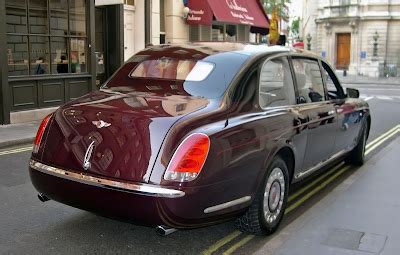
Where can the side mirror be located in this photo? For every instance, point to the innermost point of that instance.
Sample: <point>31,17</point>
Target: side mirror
<point>352,93</point>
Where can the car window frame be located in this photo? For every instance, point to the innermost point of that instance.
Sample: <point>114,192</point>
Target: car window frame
<point>336,81</point>
<point>260,65</point>
<point>297,56</point>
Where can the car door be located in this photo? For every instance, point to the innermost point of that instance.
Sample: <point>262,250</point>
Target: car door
<point>320,113</point>
<point>348,114</point>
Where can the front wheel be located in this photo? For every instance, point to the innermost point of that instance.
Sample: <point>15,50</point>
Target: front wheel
<point>357,155</point>
<point>266,211</point>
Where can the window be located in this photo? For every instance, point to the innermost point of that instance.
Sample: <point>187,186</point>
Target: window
<point>309,80</point>
<point>173,69</point>
<point>276,84</point>
<point>335,90</point>
<point>46,37</point>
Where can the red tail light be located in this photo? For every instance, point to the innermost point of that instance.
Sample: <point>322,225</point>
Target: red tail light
<point>188,159</point>
<point>40,132</point>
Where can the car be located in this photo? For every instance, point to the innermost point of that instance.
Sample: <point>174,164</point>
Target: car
<point>185,136</point>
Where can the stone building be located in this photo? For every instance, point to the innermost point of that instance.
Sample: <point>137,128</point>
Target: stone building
<point>361,36</point>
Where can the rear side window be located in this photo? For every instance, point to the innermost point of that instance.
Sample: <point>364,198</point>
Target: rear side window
<point>309,80</point>
<point>276,83</point>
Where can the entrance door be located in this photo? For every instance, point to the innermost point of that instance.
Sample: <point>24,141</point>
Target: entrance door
<point>343,51</point>
<point>129,48</point>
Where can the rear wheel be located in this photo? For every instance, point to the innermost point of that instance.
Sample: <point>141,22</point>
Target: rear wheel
<point>266,211</point>
<point>357,155</point>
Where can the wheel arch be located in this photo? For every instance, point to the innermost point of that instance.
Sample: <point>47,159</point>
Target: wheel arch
<point>287,154</point>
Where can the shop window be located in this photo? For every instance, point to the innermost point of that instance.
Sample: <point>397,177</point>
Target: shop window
<point>59,55</point>
<point>77,20</point>
<point>17,55</point>
<point>46,37</point>
<point>38,22</point>
<point>39,48</point>
<point>231,33</point>
<point>59,17</point>
<point>217,32</point>
<point>78,55</point>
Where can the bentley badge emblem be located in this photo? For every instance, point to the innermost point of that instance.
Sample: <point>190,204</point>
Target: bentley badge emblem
<point>86,161</point>
<point>101,123</point>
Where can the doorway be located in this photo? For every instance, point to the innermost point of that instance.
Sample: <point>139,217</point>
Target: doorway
<point>343,44</point>
<point>129,42</point>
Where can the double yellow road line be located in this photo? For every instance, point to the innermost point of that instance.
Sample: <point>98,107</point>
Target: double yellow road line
<point>333,173</point>
<point>18,150</point>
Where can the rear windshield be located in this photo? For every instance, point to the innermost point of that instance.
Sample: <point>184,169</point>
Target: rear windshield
<point>207,77</point>
<point>173,69</point>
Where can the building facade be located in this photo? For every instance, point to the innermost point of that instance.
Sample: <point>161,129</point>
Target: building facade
<point>361,36</point>
<point>58,50</point>
<point>46,57</point>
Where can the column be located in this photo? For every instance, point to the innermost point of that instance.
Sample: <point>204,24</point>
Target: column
<point>176,29</point>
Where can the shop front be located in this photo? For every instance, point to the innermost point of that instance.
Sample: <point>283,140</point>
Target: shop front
<point>47,58</point>
<point>227,20</point>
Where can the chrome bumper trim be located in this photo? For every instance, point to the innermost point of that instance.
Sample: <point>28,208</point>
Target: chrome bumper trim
<point>143,189</point>
<point>227,204</point>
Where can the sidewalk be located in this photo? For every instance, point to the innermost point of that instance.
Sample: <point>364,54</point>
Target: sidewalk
<point>360,216</point>
<point>354,79</point>
<point>17,134</point>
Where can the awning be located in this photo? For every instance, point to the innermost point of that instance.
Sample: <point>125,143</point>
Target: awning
<point>247,12</point>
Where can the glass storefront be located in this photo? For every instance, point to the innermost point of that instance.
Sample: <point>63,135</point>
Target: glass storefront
<point>219,32</point>
<point>46,37</point>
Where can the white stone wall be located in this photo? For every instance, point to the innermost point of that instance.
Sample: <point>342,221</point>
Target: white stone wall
<point>362,18</point>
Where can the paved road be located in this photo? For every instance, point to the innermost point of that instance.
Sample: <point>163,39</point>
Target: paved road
<point>29,226</point>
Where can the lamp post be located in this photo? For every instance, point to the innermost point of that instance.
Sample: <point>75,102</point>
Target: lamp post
<point>308,41</point>
<point>375,38</point>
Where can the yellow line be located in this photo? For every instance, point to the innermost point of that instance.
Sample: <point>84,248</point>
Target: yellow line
<point>382,136</point>
<point>299,192</point>
<point>239,244</point>
<point>221,243</point>
<point>382,141</point>
<point>318,188</point>
<point>15,151</point>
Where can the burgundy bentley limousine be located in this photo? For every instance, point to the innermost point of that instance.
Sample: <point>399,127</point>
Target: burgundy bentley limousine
<point>184,136</point>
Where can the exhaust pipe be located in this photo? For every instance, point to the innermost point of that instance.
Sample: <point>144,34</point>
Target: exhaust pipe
<point>164,230</point>
<point>42,197</point>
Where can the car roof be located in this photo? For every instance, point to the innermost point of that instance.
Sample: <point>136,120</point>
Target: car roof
<point>212,48</point>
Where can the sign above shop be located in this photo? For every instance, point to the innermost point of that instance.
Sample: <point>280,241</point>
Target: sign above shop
<point>108,2</point>
<point>247,12</point>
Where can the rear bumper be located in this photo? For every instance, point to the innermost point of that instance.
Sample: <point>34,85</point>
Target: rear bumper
<point>137,188</point>
<point>143,204</point>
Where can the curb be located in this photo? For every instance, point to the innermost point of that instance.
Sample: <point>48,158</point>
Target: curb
<point>16,142</point>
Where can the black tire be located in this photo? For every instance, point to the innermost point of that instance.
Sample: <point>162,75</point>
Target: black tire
<point>357,155</point>
<point>254,220</point>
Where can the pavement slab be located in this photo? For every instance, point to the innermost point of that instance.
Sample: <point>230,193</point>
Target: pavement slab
<point>16,134</point>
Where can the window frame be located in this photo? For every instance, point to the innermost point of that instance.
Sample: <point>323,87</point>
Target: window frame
<point>49,36</point>
<point>294,57</point>
<point>335,82</point>
<point>260,65</point>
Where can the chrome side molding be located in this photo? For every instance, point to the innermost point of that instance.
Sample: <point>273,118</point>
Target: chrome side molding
<point>227,204</point>
<point>139,188</point>
<point>321,164</point>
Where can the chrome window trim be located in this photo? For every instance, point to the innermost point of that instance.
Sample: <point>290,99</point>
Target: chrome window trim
<point>138,188</point>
